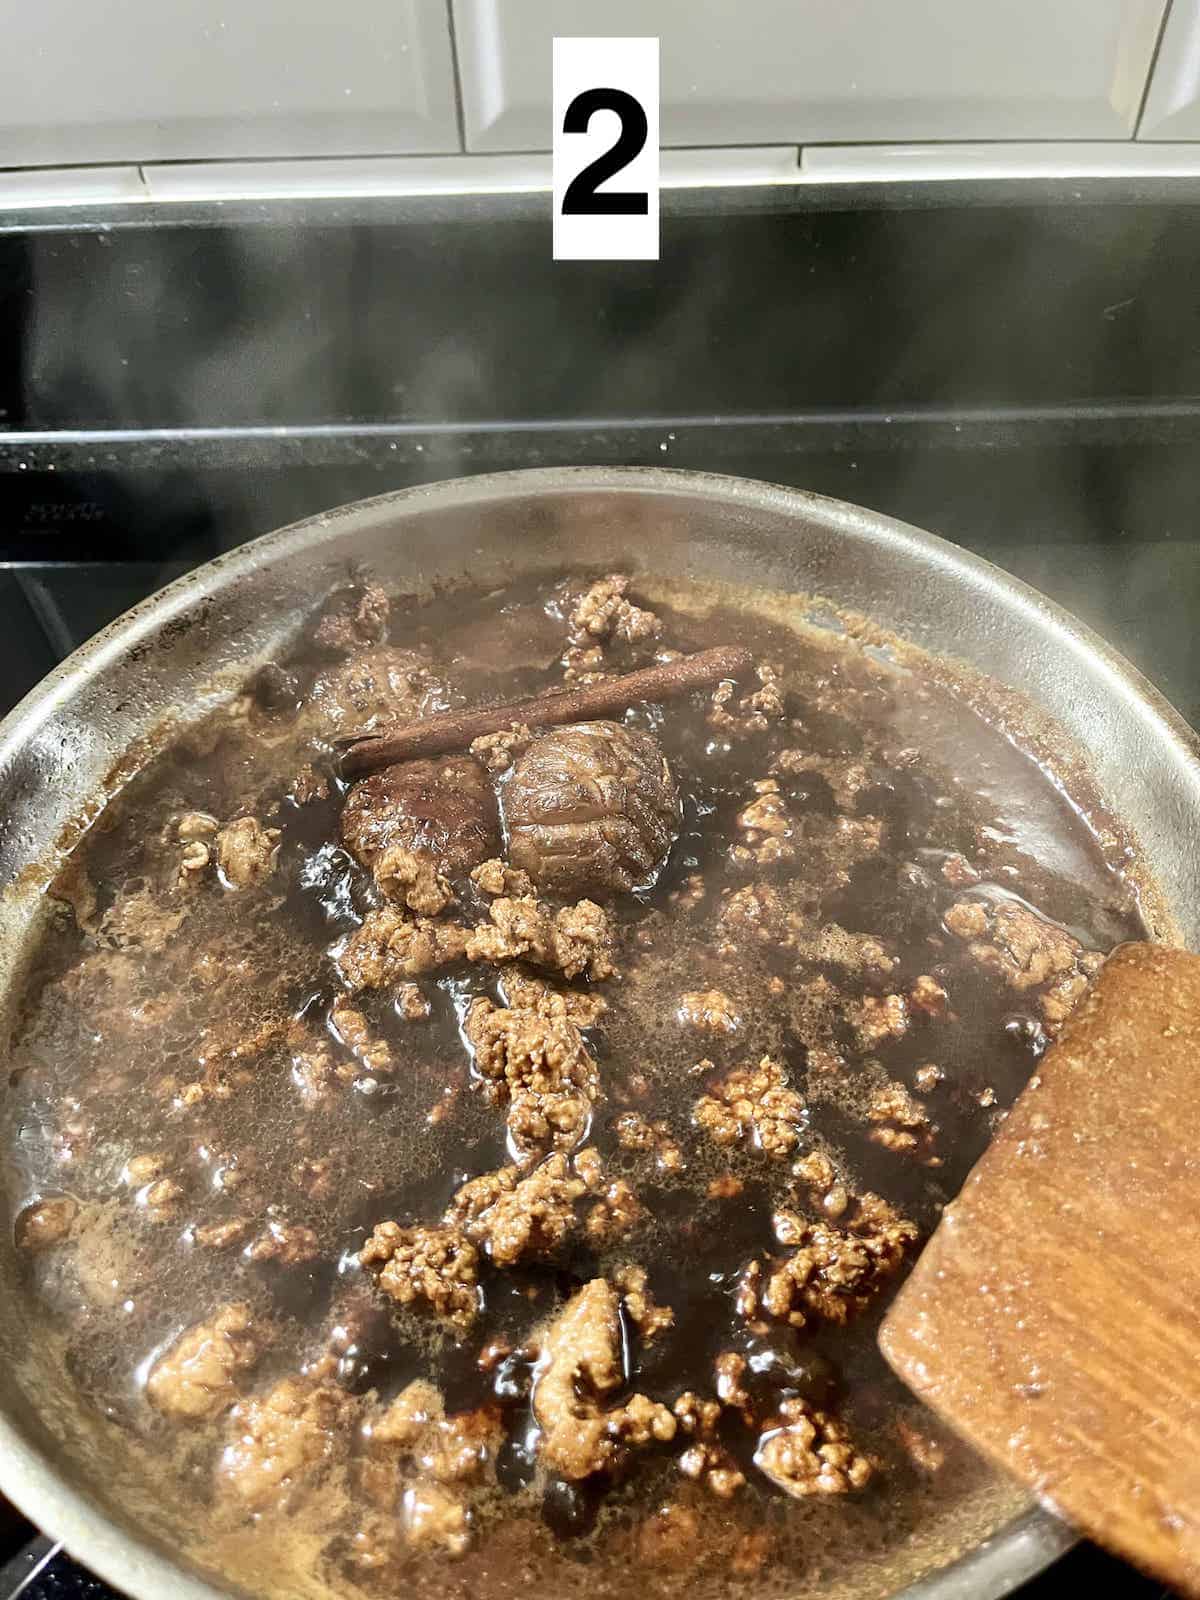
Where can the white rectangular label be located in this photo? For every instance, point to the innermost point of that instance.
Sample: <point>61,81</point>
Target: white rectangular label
<point>605,149</point>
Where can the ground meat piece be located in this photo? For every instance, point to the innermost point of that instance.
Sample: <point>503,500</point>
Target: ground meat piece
<point>579,1365</point>
<point>958,871</point>
<point>590,1167</point>
<point>412,880</point>
<point>406,1420</point>
<point>817,1170</point>
<point>750,1553</point>
<point>437,1265</point>
<point>281,1442</point>
<point>769,914</point>
<point>194,860</point>
<point>604,613</point>
<point>460,1448</point>
<point>831,847</point>
<point>291,1244</point>
<point>542,1067</point>
<point>649,1318</point>
<point>615,1214</point>
<point>308,785</point>
<point>846,776</point>
<point>809,1452</point>
<point>314,1175</point>
<point>901,1123</point>
<point>519,1218</point>
<point>828,1187</point>
<point>160,1197</point>
<point>194,1380</point>
<point>378,685</point>
<point>704,1459</point>
<point>928,996</point>
<point>878,1019</point>
<point>698,1418</point>
<point>729,1372</point>
<point>195,831</point>
<point>45,1223</point>
<point>540,1121</point>
<point>443,811</point>
<point>140,921</point>
<point>1061,998</point>
<point>585,939</point>
<point>433,1518</point>
<point>222,1235</point>
<point>355,1033</point>
<point>755,711</point>
<point>494,877</point>
<point>753,1103</point>
<point>768,826</point>
<point>390,946</point>
<point>1025,950</point>
<point>415,1430</point>
<point>412,1004</point>
<point>142,1169</point>
<point>712,1011</point>
<point>195,825</point>
<point>352,617</point>
<point>313,1068</point>
<point>523,992</point>
<point>1020,946</point>
<point>576,939</point>
<point>584,664</point>
<point>759,914</point>
<point>591,808</point>
<point>634,1132</point>
<point>967,919</point>
<point>726,1187</point>
<point>927,1077</point>
<point>834,1272</point>
<point>496,751</point>
<point>246,853</point>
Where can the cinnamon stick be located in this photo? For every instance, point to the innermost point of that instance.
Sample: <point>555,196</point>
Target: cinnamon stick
<point>455,730</point>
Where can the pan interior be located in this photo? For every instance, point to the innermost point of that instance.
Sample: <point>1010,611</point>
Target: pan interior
<point>163,667</point>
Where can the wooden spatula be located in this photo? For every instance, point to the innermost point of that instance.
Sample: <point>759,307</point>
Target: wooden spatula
<point>1054,1316</point>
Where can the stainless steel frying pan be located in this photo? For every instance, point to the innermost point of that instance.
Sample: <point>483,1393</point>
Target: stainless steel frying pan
<point>168,657</point>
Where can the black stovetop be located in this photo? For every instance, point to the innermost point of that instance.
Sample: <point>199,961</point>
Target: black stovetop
<point>1015,369</point>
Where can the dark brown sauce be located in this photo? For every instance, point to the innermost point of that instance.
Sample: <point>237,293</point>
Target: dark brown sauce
<point>115,1022</point>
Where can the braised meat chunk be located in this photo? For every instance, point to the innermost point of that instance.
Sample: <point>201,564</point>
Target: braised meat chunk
<point>442,812</point>
<point>591,808</point>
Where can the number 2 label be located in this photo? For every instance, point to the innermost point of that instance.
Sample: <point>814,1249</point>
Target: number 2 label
<point>606,149</point>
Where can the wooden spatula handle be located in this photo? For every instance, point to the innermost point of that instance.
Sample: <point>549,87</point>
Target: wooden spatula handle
<point>1054,1317</point>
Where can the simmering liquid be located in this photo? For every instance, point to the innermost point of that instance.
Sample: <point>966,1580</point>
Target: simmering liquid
<point>730,1041</point>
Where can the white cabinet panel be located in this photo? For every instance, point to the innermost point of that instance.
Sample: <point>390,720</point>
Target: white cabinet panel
<point>804,71</point>
<point>1173,103</point>
<point>169,80</point>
